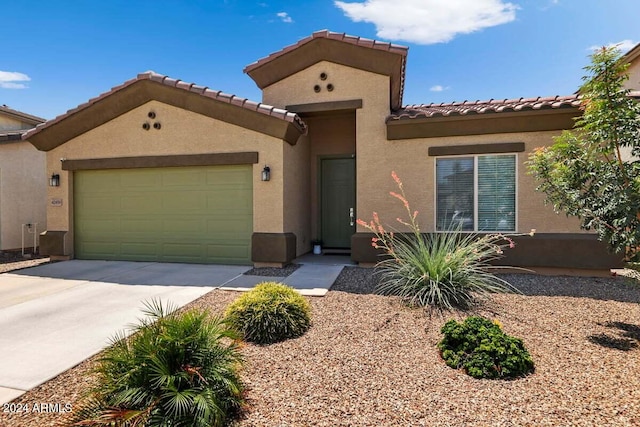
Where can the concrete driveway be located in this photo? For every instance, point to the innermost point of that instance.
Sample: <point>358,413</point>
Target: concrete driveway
<point>54,316</point>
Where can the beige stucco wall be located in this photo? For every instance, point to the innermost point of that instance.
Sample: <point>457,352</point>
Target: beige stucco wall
<point>10,123</point>
<point>634,75</point>
<point>296,193</point>
<point>377,157</point>
<point>23,186</point>
<point>418,176</point>
<point>182,132</point>
<point>349,84</point>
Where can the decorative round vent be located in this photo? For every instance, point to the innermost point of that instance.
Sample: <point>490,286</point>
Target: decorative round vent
<point>317,88</point>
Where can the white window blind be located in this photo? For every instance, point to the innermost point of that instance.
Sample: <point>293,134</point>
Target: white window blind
<point>476,193</point>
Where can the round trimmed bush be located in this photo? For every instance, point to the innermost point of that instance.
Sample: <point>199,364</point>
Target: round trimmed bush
<point>269,313</point>
<point>484,351</point>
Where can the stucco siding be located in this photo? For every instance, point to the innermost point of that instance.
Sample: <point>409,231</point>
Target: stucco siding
<point>370,134</point>
<point>634,76</point>
<point>410,160</point>
<point>9,123</point>
<point>182,132</point>
<point>23,183</point>
<point>296,193</point>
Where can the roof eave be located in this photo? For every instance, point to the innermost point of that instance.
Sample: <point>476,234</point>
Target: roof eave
<point>482,124</point>
<point>368,55</point>
<point>19,115</point>
<point>150,86</point>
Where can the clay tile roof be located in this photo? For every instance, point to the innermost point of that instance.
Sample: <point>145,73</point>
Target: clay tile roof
<point>179,84</point>
<point>358,41</point>
<point>20,115</point>
<point>483,107</point>
<point>9,136</point>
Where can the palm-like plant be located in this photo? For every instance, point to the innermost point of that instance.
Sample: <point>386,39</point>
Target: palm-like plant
<point>177,369</point>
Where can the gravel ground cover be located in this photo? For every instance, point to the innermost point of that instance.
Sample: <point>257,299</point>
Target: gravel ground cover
<point>10,261</point>
<point>273,271</point>
<point>370,361</point>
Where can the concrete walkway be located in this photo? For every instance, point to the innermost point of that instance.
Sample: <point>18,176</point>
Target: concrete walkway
<point>54,316</point>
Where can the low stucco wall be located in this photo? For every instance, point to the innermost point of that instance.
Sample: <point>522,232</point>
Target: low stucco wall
<point>23,186</point>
<point>182,132</point>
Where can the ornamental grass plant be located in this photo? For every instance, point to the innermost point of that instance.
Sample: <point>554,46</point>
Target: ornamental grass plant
<point>177,369</point>
<point>444,271</point>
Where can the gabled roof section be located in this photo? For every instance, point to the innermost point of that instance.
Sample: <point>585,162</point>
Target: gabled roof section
<point>632,54</point>
<point>484,107</point>
<point>150,86</point>
<point>365,54</point>
<point>19,115</point>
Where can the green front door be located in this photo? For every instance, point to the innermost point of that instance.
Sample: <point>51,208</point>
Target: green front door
<point>200,214</point>
<point>338,201</point>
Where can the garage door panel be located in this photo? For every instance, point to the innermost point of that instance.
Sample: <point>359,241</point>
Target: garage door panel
<point>132,249</point>
<point>140,225</point>
<point>140,179</point>
<point>185,201</point>
<point>228,229</point>
<point>190,214</point>
<point>228,252</point>
<point>98,250</point>
<point>229,200</point>
<point>180,177</point>
<point>183,225</point>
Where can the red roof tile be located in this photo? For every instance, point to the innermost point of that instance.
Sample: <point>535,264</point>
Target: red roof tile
<point>358,41</point>
<point>483,107</point>
<point>190,87</point>
<point>489,106</point>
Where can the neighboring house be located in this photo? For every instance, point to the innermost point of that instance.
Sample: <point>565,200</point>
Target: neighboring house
<point>164,170</point>
<point>22,181</point>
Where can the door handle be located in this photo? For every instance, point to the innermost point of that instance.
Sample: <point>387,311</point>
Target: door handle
<point>351,217</point>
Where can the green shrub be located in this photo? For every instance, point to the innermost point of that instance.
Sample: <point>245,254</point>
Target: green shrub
<point>439,270</point>
<point>269,313</point>
<point>481,347</point>
<point>177,369</point>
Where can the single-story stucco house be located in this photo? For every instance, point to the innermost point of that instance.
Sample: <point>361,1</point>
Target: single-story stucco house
<point>160,169</point>
<point>23,182</point>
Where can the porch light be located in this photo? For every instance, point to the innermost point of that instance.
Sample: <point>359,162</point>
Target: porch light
<point>266,173</point>
<point>54,181</point>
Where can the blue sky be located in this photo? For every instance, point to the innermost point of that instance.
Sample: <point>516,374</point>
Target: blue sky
<point>59,54</point>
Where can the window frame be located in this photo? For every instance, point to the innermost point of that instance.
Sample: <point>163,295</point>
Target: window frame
<point>475,191</point>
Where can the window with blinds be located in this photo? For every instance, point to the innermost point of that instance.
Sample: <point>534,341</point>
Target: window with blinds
<point>476,193</point>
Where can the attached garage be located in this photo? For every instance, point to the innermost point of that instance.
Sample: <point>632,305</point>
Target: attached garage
<point>200,214</point>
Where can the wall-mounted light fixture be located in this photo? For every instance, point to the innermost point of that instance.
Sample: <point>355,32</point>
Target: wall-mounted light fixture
<point>54,181</point>
<point>266,173</point>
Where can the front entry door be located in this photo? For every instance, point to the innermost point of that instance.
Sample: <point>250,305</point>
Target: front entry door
<point>337,201</point>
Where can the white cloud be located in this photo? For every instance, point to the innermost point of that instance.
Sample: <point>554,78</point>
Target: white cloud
<point>8,80</point>
<point>439,88</point>
<point>623,46</point>
<point>429,21</point>
<point>285,17</point>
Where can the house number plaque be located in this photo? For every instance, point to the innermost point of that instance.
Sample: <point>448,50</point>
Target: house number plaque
<point>56,202</point>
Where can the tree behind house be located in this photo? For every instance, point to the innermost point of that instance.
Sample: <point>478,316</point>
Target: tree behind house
<point>588,172</point>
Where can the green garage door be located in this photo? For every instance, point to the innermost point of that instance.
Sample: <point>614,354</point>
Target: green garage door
<point>197,214</point>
